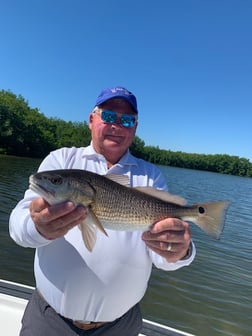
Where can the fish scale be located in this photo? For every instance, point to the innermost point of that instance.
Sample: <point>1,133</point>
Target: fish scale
<point>145,212</point>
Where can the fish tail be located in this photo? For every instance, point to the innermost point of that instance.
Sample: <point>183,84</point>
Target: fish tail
<point>211,217</point>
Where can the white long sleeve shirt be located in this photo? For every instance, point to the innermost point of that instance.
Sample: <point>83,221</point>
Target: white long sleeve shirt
<point>106,283</point>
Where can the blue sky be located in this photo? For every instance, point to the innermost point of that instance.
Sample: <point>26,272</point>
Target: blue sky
<point>189,62</point>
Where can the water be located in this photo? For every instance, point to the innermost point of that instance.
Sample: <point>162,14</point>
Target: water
<point>16,263</point>
<point>211,297</point>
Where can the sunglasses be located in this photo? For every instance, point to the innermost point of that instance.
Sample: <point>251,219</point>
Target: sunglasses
<point>111,117</point>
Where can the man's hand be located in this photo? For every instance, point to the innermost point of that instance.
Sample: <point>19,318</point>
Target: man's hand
<point>54,221</point>
<point>169,238</point>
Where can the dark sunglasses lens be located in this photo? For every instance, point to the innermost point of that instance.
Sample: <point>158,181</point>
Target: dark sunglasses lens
<point>108,116</point>
<point>128,120</point>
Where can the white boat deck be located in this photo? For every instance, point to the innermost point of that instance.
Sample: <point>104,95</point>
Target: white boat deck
<point>11,312</point>
<point>12,308</point>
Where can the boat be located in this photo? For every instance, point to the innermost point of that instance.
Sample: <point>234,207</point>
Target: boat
<point>14,297</point>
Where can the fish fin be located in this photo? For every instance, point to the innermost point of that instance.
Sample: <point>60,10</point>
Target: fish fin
<point>163,195</point>
<point>88,229</point>
<point>121,179</point>
<point>89,234</point>
<point>95,221</point>
<point>211,217</point>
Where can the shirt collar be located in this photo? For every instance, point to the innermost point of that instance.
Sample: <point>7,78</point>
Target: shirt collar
<point>126,159</point>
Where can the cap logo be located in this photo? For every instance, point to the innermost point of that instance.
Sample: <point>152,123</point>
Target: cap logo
<point>115,90</point>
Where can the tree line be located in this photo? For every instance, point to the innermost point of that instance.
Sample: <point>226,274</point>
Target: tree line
<point>25,131</point>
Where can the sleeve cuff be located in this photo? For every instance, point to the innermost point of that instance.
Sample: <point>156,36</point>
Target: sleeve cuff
<point>163,264</point>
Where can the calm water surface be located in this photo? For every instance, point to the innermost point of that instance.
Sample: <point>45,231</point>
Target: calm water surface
<point>211,297</point>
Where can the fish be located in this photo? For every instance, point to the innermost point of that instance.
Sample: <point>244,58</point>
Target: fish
<point>113,204</point>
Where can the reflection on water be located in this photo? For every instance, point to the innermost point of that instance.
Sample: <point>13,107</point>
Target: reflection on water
<point>211,297</point>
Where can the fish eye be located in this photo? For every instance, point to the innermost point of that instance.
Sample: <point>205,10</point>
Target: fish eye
<point>56,180</point>
<point>201,210</point>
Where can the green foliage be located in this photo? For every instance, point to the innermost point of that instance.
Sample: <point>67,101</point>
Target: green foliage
<point>137,147</point>
<point>219,163</point>
<point>27,132</point>
<point>69,134</point>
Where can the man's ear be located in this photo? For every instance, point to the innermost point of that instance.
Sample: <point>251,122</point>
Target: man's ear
<point>91,116</point>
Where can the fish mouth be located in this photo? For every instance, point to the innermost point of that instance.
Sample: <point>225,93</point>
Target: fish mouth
<point>40,189</point>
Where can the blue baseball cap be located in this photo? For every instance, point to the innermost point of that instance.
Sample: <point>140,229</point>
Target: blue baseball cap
<point>117,92</point>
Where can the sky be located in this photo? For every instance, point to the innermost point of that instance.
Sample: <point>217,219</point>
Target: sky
<point>189,63</point>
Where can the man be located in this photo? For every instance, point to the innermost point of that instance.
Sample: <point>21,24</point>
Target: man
<point>95,293</point>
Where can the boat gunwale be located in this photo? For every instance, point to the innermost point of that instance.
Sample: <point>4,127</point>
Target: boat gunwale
<point>150,328</point>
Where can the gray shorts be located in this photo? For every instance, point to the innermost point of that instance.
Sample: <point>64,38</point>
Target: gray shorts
<point>40,319</point>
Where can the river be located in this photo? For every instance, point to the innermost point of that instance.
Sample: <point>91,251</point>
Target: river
<point>211,297</point>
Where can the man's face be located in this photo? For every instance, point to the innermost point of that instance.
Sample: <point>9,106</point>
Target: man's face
<point>112,139</point>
